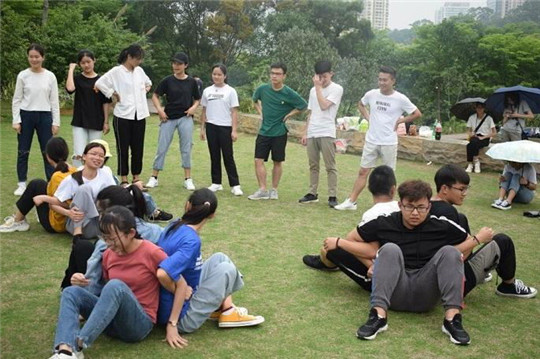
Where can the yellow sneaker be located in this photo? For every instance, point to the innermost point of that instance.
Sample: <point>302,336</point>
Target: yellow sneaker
<point>239,317</point>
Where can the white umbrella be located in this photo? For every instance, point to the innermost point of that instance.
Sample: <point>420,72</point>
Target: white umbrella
<point>516,151</point>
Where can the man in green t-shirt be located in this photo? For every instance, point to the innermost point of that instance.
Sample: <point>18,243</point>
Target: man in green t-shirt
<point>276,103</point>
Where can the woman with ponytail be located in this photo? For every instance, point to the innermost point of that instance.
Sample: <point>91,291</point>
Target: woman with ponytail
<point>129,84</point>
<point>56,153</point>
<point>76,195</point>
<point>212,282</point>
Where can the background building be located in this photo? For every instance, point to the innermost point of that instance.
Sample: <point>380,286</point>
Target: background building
<point>502,7</point>
<point>376,11</point>
<point>450,9</point>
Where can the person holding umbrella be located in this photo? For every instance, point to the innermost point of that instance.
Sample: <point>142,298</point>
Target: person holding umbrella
<point>514,116</point>
<point>480,130</point>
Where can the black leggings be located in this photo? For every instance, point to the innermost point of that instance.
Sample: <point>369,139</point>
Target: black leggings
<point>351,266</point>
<point>474,146</point>
<point>25,203</point>
<point>81,251</point>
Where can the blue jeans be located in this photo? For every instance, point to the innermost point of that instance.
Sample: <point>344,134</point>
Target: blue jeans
<point>523,194</point>
<point>116,312</point>
<point>184,126</point>
<point>41,122</point>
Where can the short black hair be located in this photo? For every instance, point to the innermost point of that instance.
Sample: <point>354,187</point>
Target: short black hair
<point>450,175</point>
<point>279,65</point>
<point>381,180</point>
<point>414,190</point>
<point>322,67</point>
<point>388,70</point>
<point>36,47</point>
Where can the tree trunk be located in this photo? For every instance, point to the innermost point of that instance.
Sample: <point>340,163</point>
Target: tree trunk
<point>45,14</point>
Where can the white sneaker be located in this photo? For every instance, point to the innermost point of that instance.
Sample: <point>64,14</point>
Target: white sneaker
<point>74,355</point>
<point>469,168</point>
<point>21,187</point>
<point>152,182</point>
<point>488,277</point>
<point>188,184</point>
<point>497,203</point>
<point>346,205</point>
<point>237,191</point>
<point>273,194</point>
<point>215,187</point>
<point>10,225</point>
<point>477,167</point>
<point>259,194</point>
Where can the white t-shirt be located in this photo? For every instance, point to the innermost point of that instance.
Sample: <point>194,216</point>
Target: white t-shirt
<point>486,127</point>
<point>36,91</point>
<point>527,171</point>
<point>516,124</point>
<point>68,186</point>
<point>218,102</point>
<point>384,111</point>
<point>131,87</point>
<point>323,123</point>
<point>379,209</point>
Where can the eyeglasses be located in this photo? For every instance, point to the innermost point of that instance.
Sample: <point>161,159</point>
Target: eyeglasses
<point>462,190</point>
<point>411,208</point>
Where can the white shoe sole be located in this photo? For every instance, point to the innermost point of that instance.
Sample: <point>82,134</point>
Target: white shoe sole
<point>452,338</point>
<point>525,296</point>
<point>371,337</point>
<point>307,202</point>
<point>345,208</point>
<point>258,320</point>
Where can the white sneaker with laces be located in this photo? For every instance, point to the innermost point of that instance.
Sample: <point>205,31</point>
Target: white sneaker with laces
<point>188,184</point>
<point>477,167</point>
<point>496,203</point>
<point>273,194</point>
<point>258,195</point>
<point>215,187</point>
<point>237,191</point>
<point>469,168</point>
<point>346,205</point>
<point>21,187</point>
<point>10,225</point>
<point>152,182</point>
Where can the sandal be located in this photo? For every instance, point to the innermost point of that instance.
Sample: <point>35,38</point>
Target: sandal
<point>532,214</point>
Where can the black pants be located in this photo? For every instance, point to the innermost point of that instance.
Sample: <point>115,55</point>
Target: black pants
<point>81,251</point>
<point>129,134</point>
<point>474,146</point>
<point>25,203</point>
<point>220,142</point>
<point>351,266</point>
<point>506,266</point>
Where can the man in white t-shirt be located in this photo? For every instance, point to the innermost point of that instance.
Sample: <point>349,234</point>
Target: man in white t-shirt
<point>386,107</point>
<point>344,253</point>
<point>320,132</point>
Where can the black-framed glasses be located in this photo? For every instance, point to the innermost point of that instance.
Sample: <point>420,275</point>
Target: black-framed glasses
<point>411,208</point>
<point>462,190</point>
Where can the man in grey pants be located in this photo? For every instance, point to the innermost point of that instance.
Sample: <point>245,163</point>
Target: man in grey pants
<point>419,262</point>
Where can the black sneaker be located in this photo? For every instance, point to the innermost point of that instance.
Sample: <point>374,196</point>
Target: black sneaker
<point>161,215</point>
<point>454,329</point>
<point>332,202</point>
<point>373,326</point>
<point>517,290</point>
<point>314,261</point>
<point>309,198</point>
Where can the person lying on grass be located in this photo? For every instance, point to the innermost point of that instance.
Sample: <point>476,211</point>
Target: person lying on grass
<point>127,306</point>
<point>213,281</point>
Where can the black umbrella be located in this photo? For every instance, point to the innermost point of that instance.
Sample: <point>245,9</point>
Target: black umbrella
<point>466,107</point>
<point>531,95</point>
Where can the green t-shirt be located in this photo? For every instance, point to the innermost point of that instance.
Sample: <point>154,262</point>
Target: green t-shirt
<point>275,106</point>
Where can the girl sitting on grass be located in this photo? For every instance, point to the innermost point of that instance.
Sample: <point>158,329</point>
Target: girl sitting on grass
<point>128,304</point>
<point>56,152</point>
<point>212,282</point>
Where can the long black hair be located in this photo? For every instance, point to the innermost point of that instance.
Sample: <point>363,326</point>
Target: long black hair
<point>77,176</point>
<point>133,50</point>
<point>58,151</point>
<point>130,197</point>
<point>201,204</point>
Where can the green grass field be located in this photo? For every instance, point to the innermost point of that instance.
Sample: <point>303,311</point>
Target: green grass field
<point>308,314</point>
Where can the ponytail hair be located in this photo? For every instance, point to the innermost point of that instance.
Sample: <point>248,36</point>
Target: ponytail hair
<point>77,176</point>
<point>200,205</point>
<point>130,198</point>
<point>133,50</point>
<point>117,219</point>
<point>58,151</point>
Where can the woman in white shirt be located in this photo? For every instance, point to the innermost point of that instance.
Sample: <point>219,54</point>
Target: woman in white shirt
<point>35,107</point>
<point>219,121</point>
<point>129,84</point>
<point>481,129</point>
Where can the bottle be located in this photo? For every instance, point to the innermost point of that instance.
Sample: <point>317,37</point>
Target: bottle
<point>438,131</point>
<point>363,126</point>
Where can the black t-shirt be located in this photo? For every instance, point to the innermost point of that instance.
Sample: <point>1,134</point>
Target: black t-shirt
<point>88,104</point>
<point>442,208</point>
<point>179,94</point>
<point>419,244</point>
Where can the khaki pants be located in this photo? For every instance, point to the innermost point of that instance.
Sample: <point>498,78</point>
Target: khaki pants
<point>326,146</point>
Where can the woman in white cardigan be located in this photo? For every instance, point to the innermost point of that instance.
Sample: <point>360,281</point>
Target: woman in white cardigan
<point>129,84</point>
<point>35,108</point>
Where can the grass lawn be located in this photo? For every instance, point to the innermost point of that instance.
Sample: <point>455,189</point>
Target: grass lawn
<point>308,314</point>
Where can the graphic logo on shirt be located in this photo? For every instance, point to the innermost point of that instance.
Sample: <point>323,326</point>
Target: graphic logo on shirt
<point>382,106</point>
<point>199,263</point>
<point>215,96</point>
